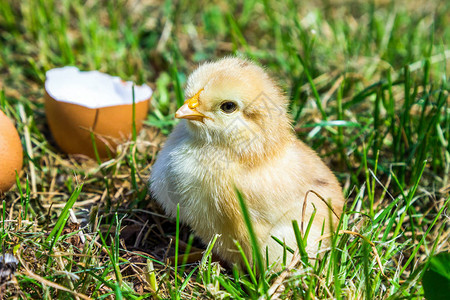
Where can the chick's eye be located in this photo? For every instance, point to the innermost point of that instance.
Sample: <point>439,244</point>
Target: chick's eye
<point>228,107</point>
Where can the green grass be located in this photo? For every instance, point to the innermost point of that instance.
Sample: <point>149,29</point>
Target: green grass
<point>369,90</point>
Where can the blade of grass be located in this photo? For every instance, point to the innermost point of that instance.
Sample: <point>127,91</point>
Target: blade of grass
<point>251,233</point>
<point>313,88</point>
<point>64,216</point>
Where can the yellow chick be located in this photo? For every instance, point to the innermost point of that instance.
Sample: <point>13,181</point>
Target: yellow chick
<point>235,132</point>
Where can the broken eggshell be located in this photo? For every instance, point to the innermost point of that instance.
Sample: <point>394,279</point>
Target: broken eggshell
<point>79,104</point>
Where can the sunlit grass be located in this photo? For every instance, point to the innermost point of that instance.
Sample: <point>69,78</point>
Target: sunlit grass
<point>369,90</point>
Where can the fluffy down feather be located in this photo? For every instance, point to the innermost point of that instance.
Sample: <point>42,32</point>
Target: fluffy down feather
<point>251,147</point>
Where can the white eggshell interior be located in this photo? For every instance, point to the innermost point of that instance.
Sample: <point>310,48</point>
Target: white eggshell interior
<point>92,89</point>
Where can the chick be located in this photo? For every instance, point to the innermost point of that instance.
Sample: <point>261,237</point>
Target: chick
<point>235,132</point>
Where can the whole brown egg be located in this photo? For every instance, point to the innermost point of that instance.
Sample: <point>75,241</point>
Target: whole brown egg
<point>11,153</point>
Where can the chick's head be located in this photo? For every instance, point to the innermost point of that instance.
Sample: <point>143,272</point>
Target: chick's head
<point>234,103</point>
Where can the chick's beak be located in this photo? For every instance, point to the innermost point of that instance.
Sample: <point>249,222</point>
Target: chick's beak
<point>188,109</point>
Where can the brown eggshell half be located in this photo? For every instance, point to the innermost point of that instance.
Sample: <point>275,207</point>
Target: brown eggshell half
<point>71,125</point>
<point>11,153</point>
